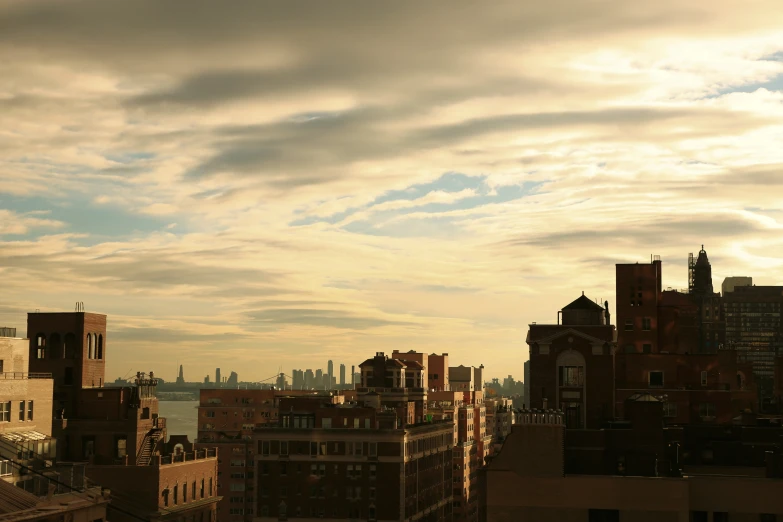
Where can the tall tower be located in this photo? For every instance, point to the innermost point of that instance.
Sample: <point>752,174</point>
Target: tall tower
<point>353,376</point>
<point>217,377</point>
<point>712,328</point>
<point>342,376</point>
<point>181,376</point>
<point>330,373</point>
<point>72,347</point>
<point>702,275</point>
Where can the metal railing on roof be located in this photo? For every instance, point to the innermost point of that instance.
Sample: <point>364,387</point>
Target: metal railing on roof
<point>24,375</point>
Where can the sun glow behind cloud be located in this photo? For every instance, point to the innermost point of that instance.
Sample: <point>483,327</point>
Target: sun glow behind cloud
<point>279,184</point>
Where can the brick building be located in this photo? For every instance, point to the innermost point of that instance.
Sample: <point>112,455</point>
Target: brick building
<point>663,346</point>
<point>571,363</point>
<point>697,388</point>
<point>438,372</point>
<point>226,421</point>
<point>398,382</point>
<point>116,431</point>
<point>352,461</point>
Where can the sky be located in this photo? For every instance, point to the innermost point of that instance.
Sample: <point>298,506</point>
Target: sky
<point>258,185</point>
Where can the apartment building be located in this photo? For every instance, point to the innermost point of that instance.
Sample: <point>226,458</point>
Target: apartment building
<point>355,461</point>
<point>227,419</point>
<point>25,413</point>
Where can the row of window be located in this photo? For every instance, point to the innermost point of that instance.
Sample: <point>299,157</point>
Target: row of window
<point>25,410</point>
<point>646,324</point>
<point>354,512</point>
<point>321,448</point>
<point>319,470</point>
<point>56,347</point>
<point>174,492</point>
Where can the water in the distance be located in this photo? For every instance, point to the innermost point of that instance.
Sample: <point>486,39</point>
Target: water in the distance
<point>181,417</point>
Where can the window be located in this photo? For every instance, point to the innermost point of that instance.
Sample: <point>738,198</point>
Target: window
<point>372,493</point>
<point>283,447</point>
<point>356,423</point>
<point>237,463</point>
<point>629,325</point>
<point>706,409</point>
<point>646,348</point>
<point>5,468</point>
<point>88,447</point>
<point>40,352</point>
<point>646,323</point>
<point>326,423</point>
<point>571,375</point>
<point>29,410</point>
<point>210,486</point>
<point>193,490</point>
<point>766,517</point>
<point>655,379</point>
<point>283,469</point>
<point>165,497</point>
<point>720,516</point>
<point>185,492</point>
<point>629,348</point>
<point>21,410</point>
<point>704,378</point>
<point>372,471</point>
<point>176,499</point>
<point>236,487</point>
<point>353,448</point>
<point>669,409</point>
<point>372,449</point>
<point>122,446</point>
<point>68,377</point>
<point>313,449</point>
<point>211,414</point>
<point>1,366</point>
<point>202,488</point>
<point>265,448</point>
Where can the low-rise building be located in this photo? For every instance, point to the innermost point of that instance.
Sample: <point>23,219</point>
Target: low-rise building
<point>541,475</point>
<point>25,415</point>
<point>116,433</point>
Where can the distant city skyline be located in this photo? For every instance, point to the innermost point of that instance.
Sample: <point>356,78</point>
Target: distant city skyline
<point>246,188</point>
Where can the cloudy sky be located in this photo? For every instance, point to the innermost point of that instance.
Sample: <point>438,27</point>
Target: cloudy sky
<point>278,184</point>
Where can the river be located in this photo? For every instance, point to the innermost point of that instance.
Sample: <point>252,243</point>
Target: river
<point>181,417</point>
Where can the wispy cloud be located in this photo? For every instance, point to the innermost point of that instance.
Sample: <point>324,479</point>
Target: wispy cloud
<point>274,182</point>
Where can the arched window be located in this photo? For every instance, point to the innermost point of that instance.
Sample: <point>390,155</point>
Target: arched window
<point>69,345</point>
<point>89,346</point>
<point>100,346</point>
<point>40,346</point>
<point>55,346</point>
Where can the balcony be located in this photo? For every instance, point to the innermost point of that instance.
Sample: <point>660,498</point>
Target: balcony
<point>23,375</point>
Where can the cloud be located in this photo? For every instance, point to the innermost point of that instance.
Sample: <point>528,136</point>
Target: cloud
<point>353,177</point>
<point>321,318</point>
<point>12,223</point>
